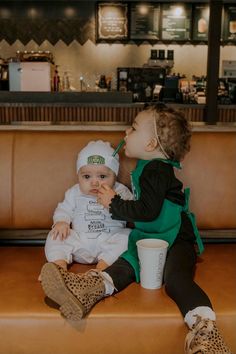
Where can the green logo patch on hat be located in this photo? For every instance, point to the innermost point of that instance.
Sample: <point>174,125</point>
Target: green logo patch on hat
<point>96,159</point>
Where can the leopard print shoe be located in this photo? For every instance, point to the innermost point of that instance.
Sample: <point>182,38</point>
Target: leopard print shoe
<point>75,293</point>
<point>205,338</point>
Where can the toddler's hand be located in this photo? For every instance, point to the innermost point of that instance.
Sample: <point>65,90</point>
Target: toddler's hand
<point>60,230</point>
<point>105,195</point>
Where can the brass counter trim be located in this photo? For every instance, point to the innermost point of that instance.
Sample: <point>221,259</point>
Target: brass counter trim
<point>110,126</point>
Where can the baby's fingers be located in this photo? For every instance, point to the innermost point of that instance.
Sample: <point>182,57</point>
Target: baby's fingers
<point>54,234</point>
<point>65,234</point>
<point>105,187</point>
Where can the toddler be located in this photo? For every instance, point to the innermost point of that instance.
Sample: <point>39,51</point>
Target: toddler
<point>83,230</point>
<point>159,138</point>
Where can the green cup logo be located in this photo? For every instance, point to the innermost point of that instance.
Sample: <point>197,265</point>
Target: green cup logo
<point>96,159</point>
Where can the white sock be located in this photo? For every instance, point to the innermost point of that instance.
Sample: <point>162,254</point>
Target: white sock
<point>202,311</point>
<point>109,285</point>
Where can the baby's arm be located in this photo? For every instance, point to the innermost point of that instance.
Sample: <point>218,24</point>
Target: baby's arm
<point>63,215</point>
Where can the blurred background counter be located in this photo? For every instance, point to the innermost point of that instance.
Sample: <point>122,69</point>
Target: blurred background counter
<point>87,107</point>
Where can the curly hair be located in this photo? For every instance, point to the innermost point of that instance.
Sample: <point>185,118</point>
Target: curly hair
<point>173,130</point>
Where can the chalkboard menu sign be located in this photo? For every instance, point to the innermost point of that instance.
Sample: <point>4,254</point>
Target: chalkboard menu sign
<point>200,22</point>
<point>159,21</point>
<point>112,21</point>
<point>176,22</point>
<point>144,22</point>
<point>229,24</point>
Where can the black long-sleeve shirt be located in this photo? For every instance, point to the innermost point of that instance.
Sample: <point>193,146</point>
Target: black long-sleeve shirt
<point>157,182</point>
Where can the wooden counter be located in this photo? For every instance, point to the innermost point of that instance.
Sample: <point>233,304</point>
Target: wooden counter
<point>83,107</point>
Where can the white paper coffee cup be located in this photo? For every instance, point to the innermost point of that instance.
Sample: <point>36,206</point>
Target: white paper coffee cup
<point>152,257</point>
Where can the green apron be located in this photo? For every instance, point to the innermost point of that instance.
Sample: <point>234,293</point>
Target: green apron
<point>165,227</point>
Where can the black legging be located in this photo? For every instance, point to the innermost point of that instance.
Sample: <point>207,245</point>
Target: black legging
<point>178,273</point>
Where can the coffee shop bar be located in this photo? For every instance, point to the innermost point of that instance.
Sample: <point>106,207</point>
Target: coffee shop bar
<point>91,61</point>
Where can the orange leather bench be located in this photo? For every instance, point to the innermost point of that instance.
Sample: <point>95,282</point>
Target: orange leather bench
<point>36,167</point>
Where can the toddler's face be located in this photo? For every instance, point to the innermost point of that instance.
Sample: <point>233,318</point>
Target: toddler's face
<point>91,177</point>
<point>138,135</point>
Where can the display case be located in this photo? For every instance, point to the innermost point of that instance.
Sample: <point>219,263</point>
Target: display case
<point>140,81</point>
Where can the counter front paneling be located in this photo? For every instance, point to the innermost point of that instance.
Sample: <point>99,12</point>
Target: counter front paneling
<point>83,107</point>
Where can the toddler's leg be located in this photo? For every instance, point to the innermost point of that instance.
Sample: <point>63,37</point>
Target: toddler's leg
<point>192,301</point>
<point>178,278</point>
<point>122,274</point>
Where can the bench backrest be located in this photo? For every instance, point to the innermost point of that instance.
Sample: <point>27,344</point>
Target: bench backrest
<point>37,167</point>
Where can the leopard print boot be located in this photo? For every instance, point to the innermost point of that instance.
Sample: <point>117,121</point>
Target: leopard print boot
<point>75,293</point>
<point>205,338</point>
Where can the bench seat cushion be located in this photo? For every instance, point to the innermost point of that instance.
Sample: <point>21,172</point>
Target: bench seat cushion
<point>135,321</point>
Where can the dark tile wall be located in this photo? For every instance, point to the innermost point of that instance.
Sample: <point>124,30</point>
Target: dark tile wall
<point>51,20</point>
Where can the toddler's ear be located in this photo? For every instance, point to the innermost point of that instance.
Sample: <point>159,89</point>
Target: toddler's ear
<point>151,145</point>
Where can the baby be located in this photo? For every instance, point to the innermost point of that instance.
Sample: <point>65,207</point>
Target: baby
<point>83,230</point>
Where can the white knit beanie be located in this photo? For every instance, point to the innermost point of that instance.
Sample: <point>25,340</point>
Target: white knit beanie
<point>98,153</point>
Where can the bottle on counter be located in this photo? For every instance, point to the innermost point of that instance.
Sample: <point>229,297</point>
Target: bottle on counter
<point>56,80</point>
<point>102,82</point>
<point>108,82</point>
<point>65,82</point>
<point>148,93</point>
